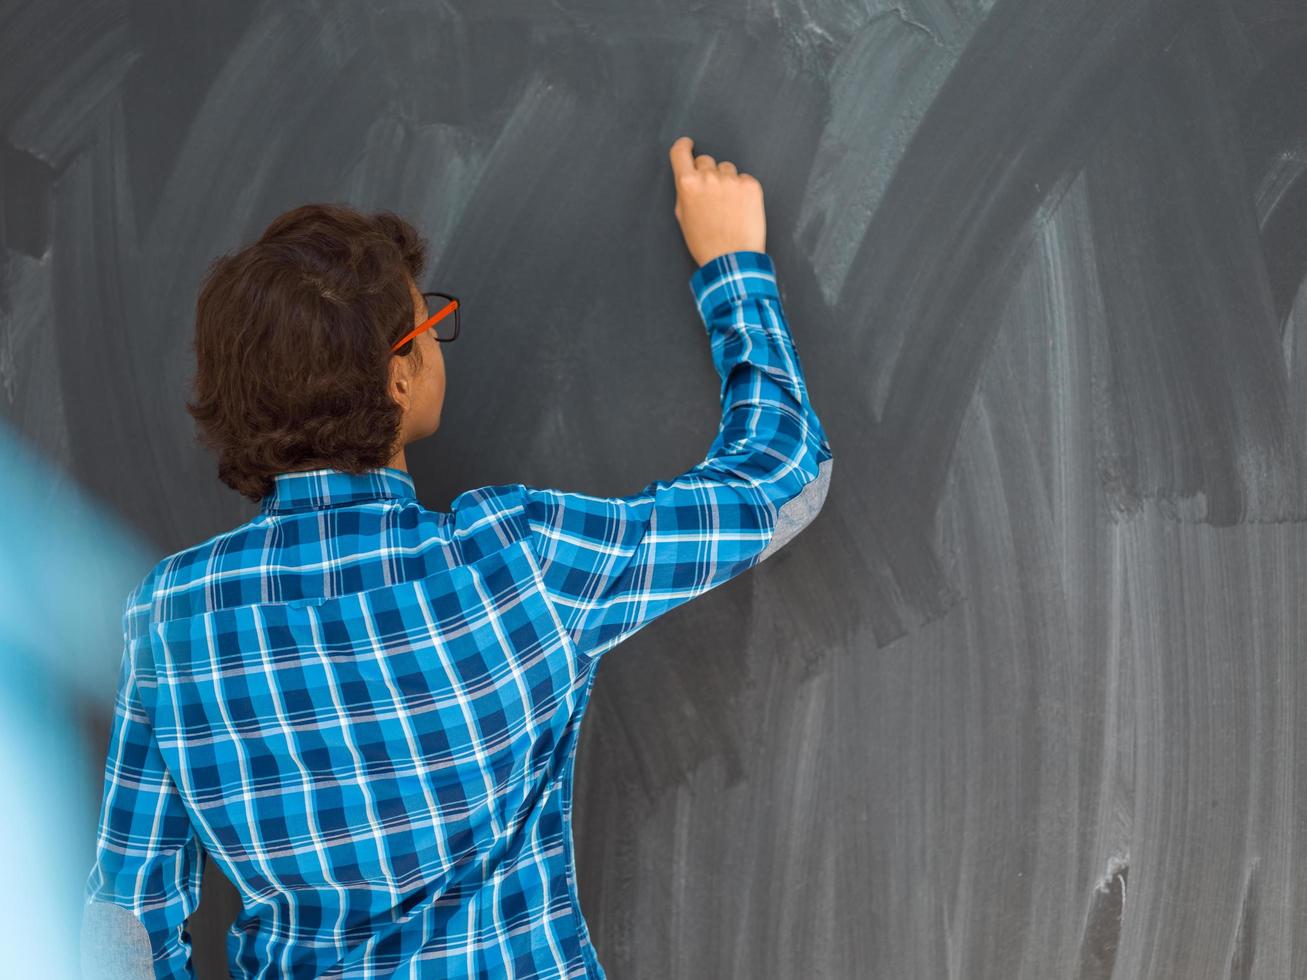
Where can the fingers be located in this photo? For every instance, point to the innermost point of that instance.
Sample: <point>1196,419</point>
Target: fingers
<point>685,162</point>
<point>682,161</point>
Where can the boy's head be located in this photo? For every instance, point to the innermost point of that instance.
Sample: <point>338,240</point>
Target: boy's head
<point>292,346</point>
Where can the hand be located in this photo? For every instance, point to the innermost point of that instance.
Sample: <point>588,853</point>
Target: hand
<point>719,210</point>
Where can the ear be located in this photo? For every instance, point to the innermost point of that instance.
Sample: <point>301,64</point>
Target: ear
<point>399,381</point>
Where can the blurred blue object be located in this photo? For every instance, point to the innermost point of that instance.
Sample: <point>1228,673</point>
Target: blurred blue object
<point>66,567</point>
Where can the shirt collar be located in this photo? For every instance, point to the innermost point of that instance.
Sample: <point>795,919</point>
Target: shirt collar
<point>328,487</point>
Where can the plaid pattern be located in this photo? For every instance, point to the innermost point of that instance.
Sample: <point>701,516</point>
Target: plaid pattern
<point>367,712</point>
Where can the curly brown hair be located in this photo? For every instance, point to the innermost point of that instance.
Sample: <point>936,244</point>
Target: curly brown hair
<point>292,345</point>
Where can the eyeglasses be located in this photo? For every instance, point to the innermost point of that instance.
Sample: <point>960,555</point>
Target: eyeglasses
<point>444,334</point>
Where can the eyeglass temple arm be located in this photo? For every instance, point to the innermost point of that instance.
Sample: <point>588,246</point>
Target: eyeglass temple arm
<point>427,323</point>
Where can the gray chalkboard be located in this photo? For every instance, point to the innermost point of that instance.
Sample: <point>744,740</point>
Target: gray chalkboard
<point>1022,702</point>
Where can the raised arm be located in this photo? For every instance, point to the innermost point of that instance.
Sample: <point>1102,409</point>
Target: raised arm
<point>613,564</point>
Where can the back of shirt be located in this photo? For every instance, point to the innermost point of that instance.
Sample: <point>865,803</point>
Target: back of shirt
<point>367,711</point>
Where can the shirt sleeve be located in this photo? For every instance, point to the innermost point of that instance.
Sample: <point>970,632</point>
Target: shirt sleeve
<point>148,859</point>
<point>613,564</point>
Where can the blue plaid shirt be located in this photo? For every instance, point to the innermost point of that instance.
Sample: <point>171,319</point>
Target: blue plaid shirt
<point>367,711</point>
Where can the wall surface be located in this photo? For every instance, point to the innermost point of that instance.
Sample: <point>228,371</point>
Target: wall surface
<point>1025,700</point>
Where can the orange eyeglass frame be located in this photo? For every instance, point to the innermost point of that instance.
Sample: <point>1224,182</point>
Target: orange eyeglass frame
<point>428,323</point>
